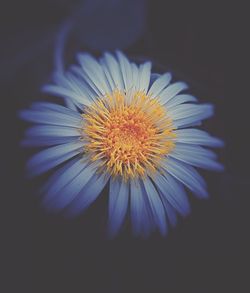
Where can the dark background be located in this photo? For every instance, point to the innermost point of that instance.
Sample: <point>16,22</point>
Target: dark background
<point>203,43</point>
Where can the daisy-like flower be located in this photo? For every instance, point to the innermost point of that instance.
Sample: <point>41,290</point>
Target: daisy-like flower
<point>127,128</point>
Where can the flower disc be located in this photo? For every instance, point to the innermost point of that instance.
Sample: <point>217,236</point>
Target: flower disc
<point>128,133</point>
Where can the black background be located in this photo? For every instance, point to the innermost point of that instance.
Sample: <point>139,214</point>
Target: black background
<point>208,251</point>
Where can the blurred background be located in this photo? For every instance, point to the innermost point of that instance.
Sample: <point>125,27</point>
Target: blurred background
<point>200,42</point>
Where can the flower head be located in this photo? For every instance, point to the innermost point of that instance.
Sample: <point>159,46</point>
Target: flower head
<point>125,127</point>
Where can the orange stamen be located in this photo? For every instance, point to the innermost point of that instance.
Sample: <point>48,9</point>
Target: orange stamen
<point>128,133</point>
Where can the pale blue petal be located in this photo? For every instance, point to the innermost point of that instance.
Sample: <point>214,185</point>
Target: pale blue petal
<point>65,93</point>
<point>179,193</point>
<point>94,71</point>
<point>54,177</point>
<point>52,130</point>
<point>191,150</point>
<point>45,141</point>
<point>53,156</point>
<point>107,73</point>
<point>170,212</point>
<point>196,156</point>
<point>180,99</point>
<point>81,87</point>
<point>187,175</point>
<point>62,179</point>
<point>72,104</point>
<point>50,117</point>
<point>141,220</point>
<point>156,206</point>
<point>173,192</point>
<point>90,89</point>
<point>126,70</point>
<point>171,91</point>
<point>200,162</point>
<point>44,166</point>
<point>197,136</point>
<point>114,70</point>
<point>160,83</point>
<point>144,76</point>
<point>136,207</point>
<point>118,204</point>
<point>153,78</point>
<point>87,195</point>
<point>46,106</point>
<point>71,82</point>
<point>187,110</point>
<point>135,76</point>
<point>184,123</point>
<point>187,114</point>
<point>54,152</point>
<point>69,192</point>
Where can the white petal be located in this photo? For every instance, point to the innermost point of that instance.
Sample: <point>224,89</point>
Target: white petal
<point>180,99</point>
<point>160,83</point>
<point>126,70</point>
<point>59,91</point>
<point>135,76</point>
<point>107,73</point>
<point>75,84</point>
<point>114,70</point>
<point>90,89</point>
<point>153,78</point>
<point>144,76</point>
<point>171,91</point>
<point>94,71</point>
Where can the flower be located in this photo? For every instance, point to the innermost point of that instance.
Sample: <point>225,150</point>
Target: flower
<point>125,127</point>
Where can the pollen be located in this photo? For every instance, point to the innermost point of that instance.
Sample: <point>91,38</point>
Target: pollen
<point>128,134</point>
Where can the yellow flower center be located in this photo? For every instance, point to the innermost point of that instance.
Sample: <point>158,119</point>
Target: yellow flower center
<point>127,133</point>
